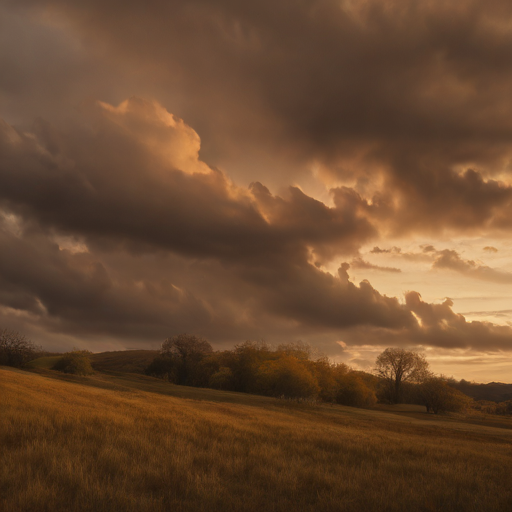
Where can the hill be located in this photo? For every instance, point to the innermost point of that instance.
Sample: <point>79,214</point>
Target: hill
<point>493,391</point>
<point>46,362</point>
<point>133,443</point>
<point>129,361</point>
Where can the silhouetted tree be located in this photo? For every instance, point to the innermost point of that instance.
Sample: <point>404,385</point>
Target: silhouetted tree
<point>438,396</point>
<point>16,349</point>
<point>179,359</point>
<point>396,366</point>
<point>247,358</point>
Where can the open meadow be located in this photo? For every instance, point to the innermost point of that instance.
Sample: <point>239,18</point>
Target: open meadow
<point>126,442</point>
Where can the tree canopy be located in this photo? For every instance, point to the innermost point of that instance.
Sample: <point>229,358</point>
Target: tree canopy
<point>15,348</point>
<point>397,366</point>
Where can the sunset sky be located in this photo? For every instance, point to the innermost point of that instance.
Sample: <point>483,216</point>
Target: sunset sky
<point>336,172</point>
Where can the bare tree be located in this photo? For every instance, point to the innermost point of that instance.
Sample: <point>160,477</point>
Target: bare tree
<point>16,349</point>
<point>396,366</point>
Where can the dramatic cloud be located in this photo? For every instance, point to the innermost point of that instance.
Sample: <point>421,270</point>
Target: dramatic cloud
<point>438,326</point>
<point>408,101</point>
<point>446,259</point>
<point>134,175</point>
<point>310,130</point>
<point>451,260</point>
<point>131,182</point>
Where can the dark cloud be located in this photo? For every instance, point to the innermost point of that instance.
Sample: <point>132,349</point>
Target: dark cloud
<point>438,326</point>
<point>424,255</point>
<point>393,250</point>
<point>133,177</point>
<point>130,183</point>
<point>146,297</point>
<point>117,224</point>
<point>410,101</point>
<point>362,264</point>
<point>451,260</point>
<point>489,248</point>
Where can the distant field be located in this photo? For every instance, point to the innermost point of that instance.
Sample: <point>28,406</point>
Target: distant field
<point>130,361</point>
<point>132,443</point>
<point>43,362</point>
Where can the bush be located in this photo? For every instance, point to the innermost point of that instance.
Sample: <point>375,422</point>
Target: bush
<point>354,392</point>
<point>222,379</point>
<point>438,396</point>
<point>76,362</point>
<point>287,377</point>
<point>15,349</point>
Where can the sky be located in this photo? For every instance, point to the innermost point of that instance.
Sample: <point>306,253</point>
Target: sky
<point>335,172</point>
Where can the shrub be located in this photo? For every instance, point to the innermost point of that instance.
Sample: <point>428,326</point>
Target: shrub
<point>287,377</point>
<point>354,392</point>
<point>222,379</point>
<point>77,362</point>
<point>438,396</point>
<point>16,349</point>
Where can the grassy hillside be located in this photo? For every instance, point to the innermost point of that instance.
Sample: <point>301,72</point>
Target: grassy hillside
<point>46,362</point>
<point>132,443</point>
<point>127,361</point>
<point>131,361</point>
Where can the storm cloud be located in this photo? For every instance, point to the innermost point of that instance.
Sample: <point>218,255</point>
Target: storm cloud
<point>211,167</point>
<point>407,102</point>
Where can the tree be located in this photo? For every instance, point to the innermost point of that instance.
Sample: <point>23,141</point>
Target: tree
<point>179,359</point>
<point>16,349</point>
<point>326,374</point>
<point>76,362</point>
<point>287,377</point>
<point>247,359</point>
<point>438,396</point>
<point>397,366</point>
<point>221,379</point>
<point>353,391</point>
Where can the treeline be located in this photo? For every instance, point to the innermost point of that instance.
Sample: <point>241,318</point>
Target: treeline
<point>288,371</point>
<point>16,350</point>
<point>488,407</point>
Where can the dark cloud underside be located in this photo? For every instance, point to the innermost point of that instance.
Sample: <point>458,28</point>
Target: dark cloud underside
<point>119,222</point>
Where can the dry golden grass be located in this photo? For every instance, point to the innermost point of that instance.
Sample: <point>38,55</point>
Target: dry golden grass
<point>103,444</point>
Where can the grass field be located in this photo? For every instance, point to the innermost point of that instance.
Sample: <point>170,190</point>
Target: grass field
<point>125,442</point>
<point>43,362</point>
<point>130,361</point>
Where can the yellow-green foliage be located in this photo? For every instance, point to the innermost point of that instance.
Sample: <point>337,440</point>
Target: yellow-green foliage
<point>99,444</point>
<point>77,362</point>
<point>287,377</point>
<point>288,371</point>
